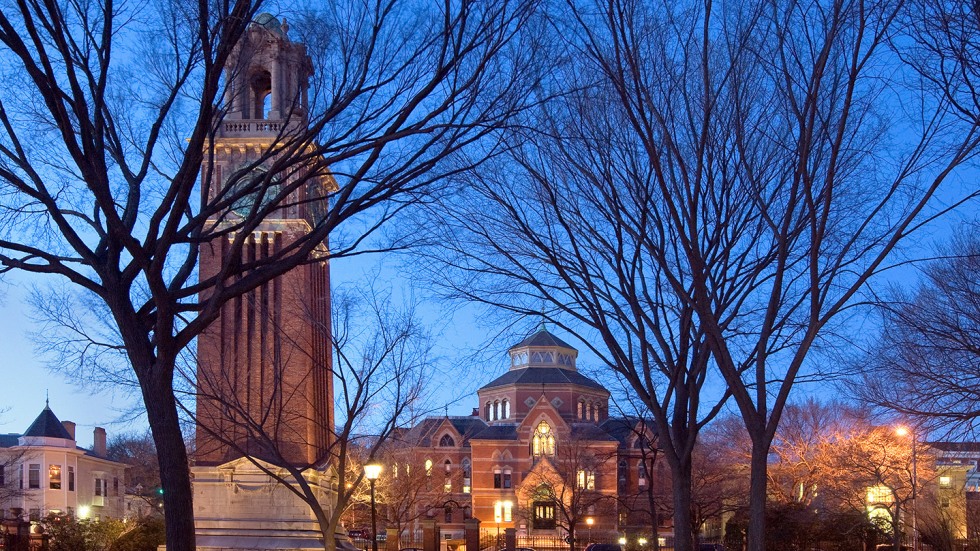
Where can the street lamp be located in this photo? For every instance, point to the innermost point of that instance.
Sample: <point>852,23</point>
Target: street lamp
<point>372,471</point>
<point>589,521</point>
<point>498,516</point>
<point>905,431</point>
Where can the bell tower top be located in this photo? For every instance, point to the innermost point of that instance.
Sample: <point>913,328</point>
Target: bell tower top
<point>266,82</point>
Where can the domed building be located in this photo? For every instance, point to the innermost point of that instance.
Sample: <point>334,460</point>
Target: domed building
<point>539,454</point>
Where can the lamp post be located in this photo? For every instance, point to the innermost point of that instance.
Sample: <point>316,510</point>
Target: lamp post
<point>372,471</point>
<point>589,521</point>
<point>498,515</point>
<point>905,431</point>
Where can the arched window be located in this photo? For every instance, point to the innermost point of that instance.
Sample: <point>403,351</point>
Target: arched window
<point>589,412</point>
<point>447,441</point>
<point>465,464</point>
<point>496,410</point>
<point>581,409</point>
<point>428,467</point>
<point>449,466</point>
<point>486,412</point>
<point>506,408</point>
<point>261,88</point>
<point>543,441</point>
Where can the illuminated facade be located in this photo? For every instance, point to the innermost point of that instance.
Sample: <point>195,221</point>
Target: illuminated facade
<point>541,433</point>
<point>44,472</point>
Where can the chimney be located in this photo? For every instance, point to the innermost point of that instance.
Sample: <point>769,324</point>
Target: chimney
<point>476,412</point>
<point>98,439</point>
<point>70,427</point>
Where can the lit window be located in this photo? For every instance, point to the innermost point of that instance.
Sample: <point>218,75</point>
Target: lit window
<point>54,477</point>
<point>503,511</point>
<point>448,486</point>
<point>34,476</point>
<point>880,494</point>
<point>945,482</point>
<point>586,480</point>
<point>466,475</point>
<point>449,466</point>
<point>428,467</point>
<point>543,441</point>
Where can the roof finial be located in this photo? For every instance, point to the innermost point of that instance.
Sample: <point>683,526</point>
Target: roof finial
<point>445,407</point>
<point>47,404</point>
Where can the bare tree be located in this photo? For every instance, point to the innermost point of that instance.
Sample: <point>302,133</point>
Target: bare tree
<point>382,362</point>
<point>409,491</point>
<point>575,477</point>
<point>874,469</point>
<point>723,180</point>
<point>143,474</point>
<point>925,362</point>
<point>111,113</point>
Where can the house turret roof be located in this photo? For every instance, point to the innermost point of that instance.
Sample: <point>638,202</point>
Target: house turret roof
<point>47,425</point>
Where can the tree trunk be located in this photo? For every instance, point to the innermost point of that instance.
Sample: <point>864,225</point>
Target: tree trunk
<point>175,479</point>
<point>757,497</point>
<point>896,525</point>
<point>683,532</point>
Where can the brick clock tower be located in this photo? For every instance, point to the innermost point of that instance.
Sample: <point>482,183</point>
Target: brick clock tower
<point>263,374</point>
<point>263,366</point>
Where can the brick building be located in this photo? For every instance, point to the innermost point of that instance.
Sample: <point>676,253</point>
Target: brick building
<point>540,454</point>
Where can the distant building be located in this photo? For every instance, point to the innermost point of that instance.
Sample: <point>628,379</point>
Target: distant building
<point>44,472</point>
<point>958,486</point>
<point>541,434</point>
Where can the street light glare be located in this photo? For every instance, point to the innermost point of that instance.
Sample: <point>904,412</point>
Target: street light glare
<point>902,431</point>
<point>372,471</point>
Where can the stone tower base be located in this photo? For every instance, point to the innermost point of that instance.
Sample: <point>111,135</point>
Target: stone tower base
<point>238,507</point>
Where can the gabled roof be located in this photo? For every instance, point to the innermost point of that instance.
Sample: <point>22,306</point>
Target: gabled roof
<point>542,375</point>
<point>588,431</point>
<point>624,429</point>
<point>497,432</point>
<point>542,338</point>
<point>47,425</point>
<point>422,434</point>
